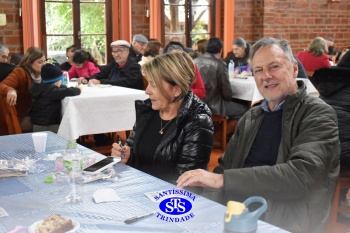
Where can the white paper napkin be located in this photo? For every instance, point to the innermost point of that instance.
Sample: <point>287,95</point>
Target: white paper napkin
<point>105,195</point>
<point>53,157</point>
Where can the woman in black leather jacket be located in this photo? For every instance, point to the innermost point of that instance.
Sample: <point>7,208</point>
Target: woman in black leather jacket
<point>173,132</point>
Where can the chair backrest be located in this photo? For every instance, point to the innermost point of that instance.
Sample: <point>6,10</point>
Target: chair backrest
<point>337,206</point>
<point>5,69</point>
<point>9,116</point>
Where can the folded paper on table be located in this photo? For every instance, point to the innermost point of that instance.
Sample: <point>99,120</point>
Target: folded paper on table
<point>105,195</point>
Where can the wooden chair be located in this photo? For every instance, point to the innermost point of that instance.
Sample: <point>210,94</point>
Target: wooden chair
<point>223,121</point>
<point>9,115</point>
<point>343,183</point>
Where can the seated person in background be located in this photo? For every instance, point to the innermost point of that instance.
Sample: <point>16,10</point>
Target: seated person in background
<point>301,71</point>
<point>84,65</point>
<point>123,71</point>
<point>344,60</point>
<point>279,151</point>
<point>153,49</point>
<point>197,87</point>
<point>46,110</point>
<point>181,41</point>
<point>4,54</point>
<point>239,53</point>
<point>315,56</point>
<point>173,132</point>
<point>69,55</point>
<point>5,67</point>
<point>137,47</point>
<point>332,53</point>
<point>16,58</point>
<point>201,44</point>
<point>216,81</point>
<point>329,41</point>
<point>16,86</point>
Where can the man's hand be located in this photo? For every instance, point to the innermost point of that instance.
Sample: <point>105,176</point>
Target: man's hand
<point>200,177</point>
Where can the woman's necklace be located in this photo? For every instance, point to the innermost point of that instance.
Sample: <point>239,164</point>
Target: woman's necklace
<point>161,125</point>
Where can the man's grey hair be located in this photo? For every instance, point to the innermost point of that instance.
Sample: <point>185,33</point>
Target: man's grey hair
<point>268,42</point>
<point>4,49</point>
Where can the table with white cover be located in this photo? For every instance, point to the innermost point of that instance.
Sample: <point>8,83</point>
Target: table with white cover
<point>246,89</point>
<point>99,109</point>
<point>29,199</point>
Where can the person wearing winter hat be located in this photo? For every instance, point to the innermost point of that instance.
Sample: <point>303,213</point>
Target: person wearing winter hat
<point>46,110</point>
<point>138,46</point>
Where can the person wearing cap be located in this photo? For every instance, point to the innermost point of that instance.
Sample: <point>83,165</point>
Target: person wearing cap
<point>123,71</point>
<point>46,110</point>
<point>138,46</point>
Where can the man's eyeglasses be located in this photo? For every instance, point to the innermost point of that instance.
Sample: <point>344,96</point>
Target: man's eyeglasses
<point>142,44</point>
<point>4,57</point>
<point>119,51</point>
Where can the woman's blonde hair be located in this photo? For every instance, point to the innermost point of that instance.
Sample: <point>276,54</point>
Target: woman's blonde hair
<point>318,46</point>
<point>177,69</point>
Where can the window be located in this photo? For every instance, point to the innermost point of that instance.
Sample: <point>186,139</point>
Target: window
<point>188,20</point>
<point>85,23</point>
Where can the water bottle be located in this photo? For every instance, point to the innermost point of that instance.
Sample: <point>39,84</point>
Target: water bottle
<point>65,79</point>
<point>231,69</point>
<point>73,166</point>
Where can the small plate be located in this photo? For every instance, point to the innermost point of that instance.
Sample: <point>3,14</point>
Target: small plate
<point>76,224</point>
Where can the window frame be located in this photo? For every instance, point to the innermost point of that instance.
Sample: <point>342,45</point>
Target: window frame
<point>188,8</point>
<point>76,24</point>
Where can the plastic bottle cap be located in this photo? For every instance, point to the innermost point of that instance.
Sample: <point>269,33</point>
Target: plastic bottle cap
<point>48,179</point>
<point>235,208</point>
<point>71,144</point>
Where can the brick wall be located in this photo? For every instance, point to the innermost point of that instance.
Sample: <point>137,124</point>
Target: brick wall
<point>139,20</point>
<point>298,21</point>
<point>11,33</point>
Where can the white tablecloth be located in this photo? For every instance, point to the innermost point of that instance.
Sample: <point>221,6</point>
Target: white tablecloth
<point>246,89</point>
<point>99,110</point>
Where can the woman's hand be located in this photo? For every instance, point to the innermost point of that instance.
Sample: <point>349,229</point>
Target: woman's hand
<point>200,177</point>
<point>122,152</point>
<point>12,97</point>
<point>93,82</point>
<point>82,80</point>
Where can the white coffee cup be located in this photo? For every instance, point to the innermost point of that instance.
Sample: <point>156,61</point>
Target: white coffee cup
<point>39,140</point>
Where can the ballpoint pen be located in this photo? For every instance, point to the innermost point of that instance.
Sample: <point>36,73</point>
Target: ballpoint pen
<point>121,146</point>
